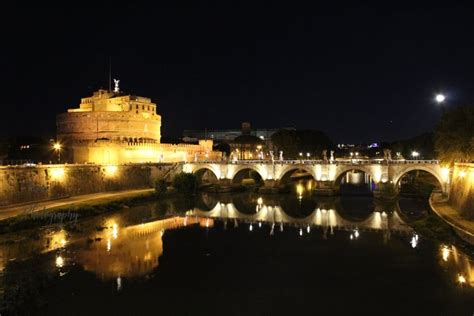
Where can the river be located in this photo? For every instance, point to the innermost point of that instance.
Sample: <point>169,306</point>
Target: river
<point>239,254</point>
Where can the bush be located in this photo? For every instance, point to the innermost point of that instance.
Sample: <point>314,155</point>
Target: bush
<point>161,186</point>
<point>185,182</point>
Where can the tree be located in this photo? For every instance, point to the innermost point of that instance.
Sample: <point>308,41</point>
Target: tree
<point>292,142</point>
<point>454,135</point>
<point>185,182</point>
<point>160,186</point>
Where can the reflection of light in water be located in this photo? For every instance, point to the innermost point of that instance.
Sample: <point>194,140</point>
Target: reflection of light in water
<point>207,222</point>
<point>281,226</point>
<point>119,283</point>
<point>109,244</point>
<point>352,236</point>
<point>308,229</point>
<point>59,262</point>
<point>414,241</point>
<point>58,240</point>
<point>259,224</point>
<point>271,231</point>
<point>356,233</point>
<point>445,252</point>
<point>251,227</point>
<point>185,221</point>
<point>115,231</point>
<point>299,190</point>
<point>301,232</point>
<point>309,186</point>
<point>461,279</point>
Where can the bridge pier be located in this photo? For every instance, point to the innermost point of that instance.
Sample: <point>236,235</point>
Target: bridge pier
<point>271,186</point>
<point>325,188</point>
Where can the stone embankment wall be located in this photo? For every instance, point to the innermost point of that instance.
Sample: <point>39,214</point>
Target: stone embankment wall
<point>462,189</point>
<point>25,184</point>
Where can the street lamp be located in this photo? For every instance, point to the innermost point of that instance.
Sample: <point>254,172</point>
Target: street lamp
<point>57,148</point>
<point>307,155</point>
<point>415,154</point>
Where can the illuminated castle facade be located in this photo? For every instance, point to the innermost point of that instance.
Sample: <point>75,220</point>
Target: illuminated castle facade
<point>111,127</point>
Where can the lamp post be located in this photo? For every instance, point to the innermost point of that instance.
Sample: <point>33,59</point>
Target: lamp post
<point>57,148</point>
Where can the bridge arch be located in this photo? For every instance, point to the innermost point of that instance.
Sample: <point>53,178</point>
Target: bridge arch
<point>365,169</point>
<point>436,172</point>
<point>370,179</point>
<point>206,175</point>
<point>247,171</point>
<point>286,172</point>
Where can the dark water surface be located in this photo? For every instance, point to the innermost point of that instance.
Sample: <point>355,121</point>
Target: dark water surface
<point>239,254</point>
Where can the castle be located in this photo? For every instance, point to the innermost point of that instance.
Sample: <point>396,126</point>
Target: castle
<point>112,127</point>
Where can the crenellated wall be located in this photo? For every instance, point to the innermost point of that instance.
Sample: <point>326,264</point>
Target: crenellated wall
<point>462,189</point>
<point>25,184</point>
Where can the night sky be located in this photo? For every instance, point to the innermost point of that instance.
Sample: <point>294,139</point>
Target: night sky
<point>359,74</point>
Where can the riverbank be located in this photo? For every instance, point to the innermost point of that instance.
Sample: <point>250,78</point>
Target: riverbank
<point>463,227</point>
<point>68,211</point>
<point>33,207</point>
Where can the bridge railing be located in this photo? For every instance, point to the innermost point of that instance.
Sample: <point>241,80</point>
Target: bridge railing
<point>316,162</point>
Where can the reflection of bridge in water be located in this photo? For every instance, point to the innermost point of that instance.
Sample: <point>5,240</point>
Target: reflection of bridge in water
<point>318,218</point>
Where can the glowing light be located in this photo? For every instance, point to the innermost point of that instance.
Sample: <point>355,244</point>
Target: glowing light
<point>57,173</point>
<point>207,222</point>
<point>462,174</point>
<point>281,226</point>
<point>119,283</point>
<point>301,232</point>
<point>445,174</point>
<point>63,242</point>
<point>414,241</point>
<point>115,231</point>
<point>299,190</point>
<point>356,233</point>
<point>260,201</point>
<point>59,262</point>
<point>415,154</point>
<point>301,154</point>
<point>110,170</point>
<point>251,227</point>
<point>461,279</point>
<point>445,253</point>
<point>440,98</point>
<point>308,229</point>
<point>351,237</point>
<point>109,244</point>
<point>259,224</point>
<point>57,146</point>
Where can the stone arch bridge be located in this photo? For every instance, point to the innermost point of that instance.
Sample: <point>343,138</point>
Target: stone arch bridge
<point>328,174</point>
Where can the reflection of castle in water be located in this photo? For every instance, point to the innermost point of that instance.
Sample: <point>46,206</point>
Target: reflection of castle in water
<point>130,251</point>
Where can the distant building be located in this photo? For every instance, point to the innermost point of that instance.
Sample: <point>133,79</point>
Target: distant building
<point>114,128</point>
<point>228,135</point>
<point>244,143</point>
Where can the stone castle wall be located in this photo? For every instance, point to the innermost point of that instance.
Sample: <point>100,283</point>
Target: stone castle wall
<point>121,152</point>
<point>26,184</point>
<point>76,126</point>
<point>462,189</point>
